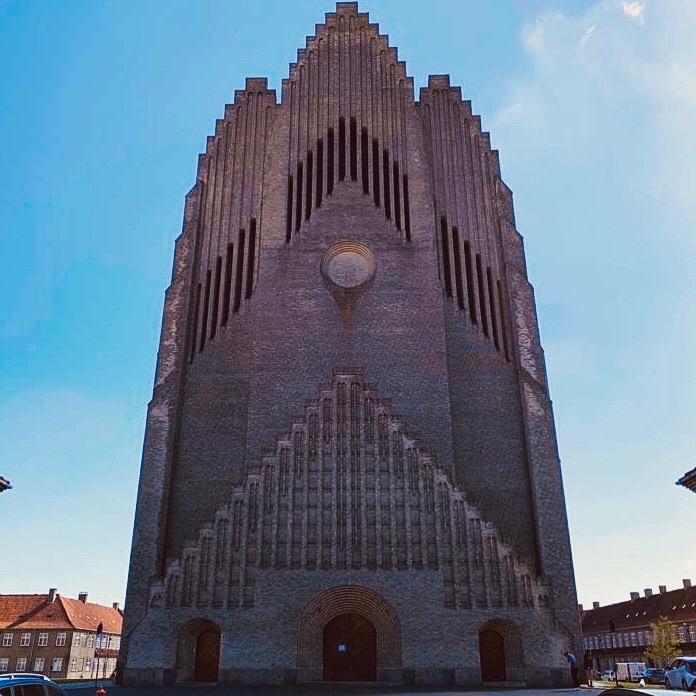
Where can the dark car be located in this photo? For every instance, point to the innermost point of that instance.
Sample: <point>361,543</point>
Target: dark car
<point>29,686</point>
<point>653,675</point>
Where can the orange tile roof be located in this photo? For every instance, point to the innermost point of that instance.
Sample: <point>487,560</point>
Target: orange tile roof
<point>35,611</point>
<point>31,611</point>
<point>87,616</point>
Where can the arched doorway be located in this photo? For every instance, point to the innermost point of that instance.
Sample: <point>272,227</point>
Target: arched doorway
<point>207,656</point>
<point>492,655</point>
<point>350,649</point>
<point>198,652</point>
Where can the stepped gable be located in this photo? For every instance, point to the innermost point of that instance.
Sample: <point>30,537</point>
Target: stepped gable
<point>348,487</point>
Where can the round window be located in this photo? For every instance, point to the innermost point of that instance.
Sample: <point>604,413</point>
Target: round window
<point>348,265</point>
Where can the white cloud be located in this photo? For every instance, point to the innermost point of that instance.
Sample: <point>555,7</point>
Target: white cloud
<point>587,34</point>
<point>634,10</point>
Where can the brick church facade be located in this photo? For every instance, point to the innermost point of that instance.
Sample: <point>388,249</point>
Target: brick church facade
<point>350,470</point>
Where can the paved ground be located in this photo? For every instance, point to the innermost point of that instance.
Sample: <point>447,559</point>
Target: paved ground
<point>323,690</point>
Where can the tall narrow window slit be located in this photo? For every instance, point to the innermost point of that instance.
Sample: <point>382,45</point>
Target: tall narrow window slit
<point>491,302</point>
<point>228,284</point>
<point>481,295</point>
<point>320,171</point>
<point>298,202</point>
<point>308,192</point>
<point>457,267</point>
<point>407,210</point>
<point>353,150</point>
<point>385,172</point>
<point>445,256</point>
<point>206,303</point>
<point>194,330</point>
<point>470,282</point>
<point>288,212</point>
<point>239,271</point>
<point>375,170</point>
<point>251,258</point>
<point>397,198</point>
<point>341,148</point>
<point>503,328</point>
<point>330,162</point>
<point>216,297</point>
<point>364,161</point>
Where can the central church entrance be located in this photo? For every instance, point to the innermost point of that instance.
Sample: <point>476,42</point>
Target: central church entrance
<point>350,649</point>
<point>207,661</point>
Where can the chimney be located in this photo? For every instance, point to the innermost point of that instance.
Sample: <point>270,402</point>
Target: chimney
<point>595,605</point>
<point>115,605</point>
<point>580,609</point>
<point>648,592</point>
<point>687,583</point>
<point>52,595</point>
<point>82,597</point>
<point>634,596</point>
<point>663,589</point>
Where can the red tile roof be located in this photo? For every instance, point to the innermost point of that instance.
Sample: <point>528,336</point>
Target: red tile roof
<point>35,611</point>
<point>677,606</point>
<point>87,616</point>
<point>31,611</point>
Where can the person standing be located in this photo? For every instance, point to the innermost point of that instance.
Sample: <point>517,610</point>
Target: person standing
<point>573,664</point>
<point>587,666</point>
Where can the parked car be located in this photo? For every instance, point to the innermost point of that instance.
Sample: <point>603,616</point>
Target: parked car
<point>654,675</point>
<point>608,675</point>
<point>681,674</point>
<point>29,685</point>
<point>23,675</point>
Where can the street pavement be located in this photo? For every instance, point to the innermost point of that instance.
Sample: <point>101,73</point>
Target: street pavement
<point>322,690</point>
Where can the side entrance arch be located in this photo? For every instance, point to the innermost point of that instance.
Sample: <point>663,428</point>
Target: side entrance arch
<point>198,652</point>
<point>348,633</point>
<point>500,651</point>
<point>350,649</point>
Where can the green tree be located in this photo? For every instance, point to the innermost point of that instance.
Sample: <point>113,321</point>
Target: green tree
<point>664,647</point>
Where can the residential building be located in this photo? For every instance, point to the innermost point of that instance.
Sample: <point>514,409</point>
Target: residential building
<point>57,635</point>
<point>621,632</point>
<point>688,480</point>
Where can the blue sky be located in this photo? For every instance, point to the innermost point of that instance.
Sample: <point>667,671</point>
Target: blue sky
<point>103,110</point>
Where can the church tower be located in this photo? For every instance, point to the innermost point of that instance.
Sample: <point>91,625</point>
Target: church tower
<point>350,469</point>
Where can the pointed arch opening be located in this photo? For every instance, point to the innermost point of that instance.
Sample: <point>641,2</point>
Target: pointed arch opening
<point>198,652</point>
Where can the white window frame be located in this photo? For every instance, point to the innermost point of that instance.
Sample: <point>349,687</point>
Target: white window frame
<point>57,664</point>
<point>73,664</point>
<point>25,639</point>
<point>39,664</point>
<point>88,664</point>
<point>43,640</point>
<point>90,641</point>
<point>76,639</point>
<point>60,639</point>
<point>4,664</point>
<point>7,640</point>
<point>21,664</point>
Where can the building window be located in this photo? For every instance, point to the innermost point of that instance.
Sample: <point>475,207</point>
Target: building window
<point>43,640</point>
<point>90,641</point>
<point>81,664</point>
<point>6,640</point>
<point>39,664</point>
<point>76,639</point>
<point>88,664</point>
<point>21,664</point>
<point>73,664</point>
<point>4,663</point>
<point>60,640</point>
<point>681,632</point>
<point>57,665</point>
<point>25,639</point>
